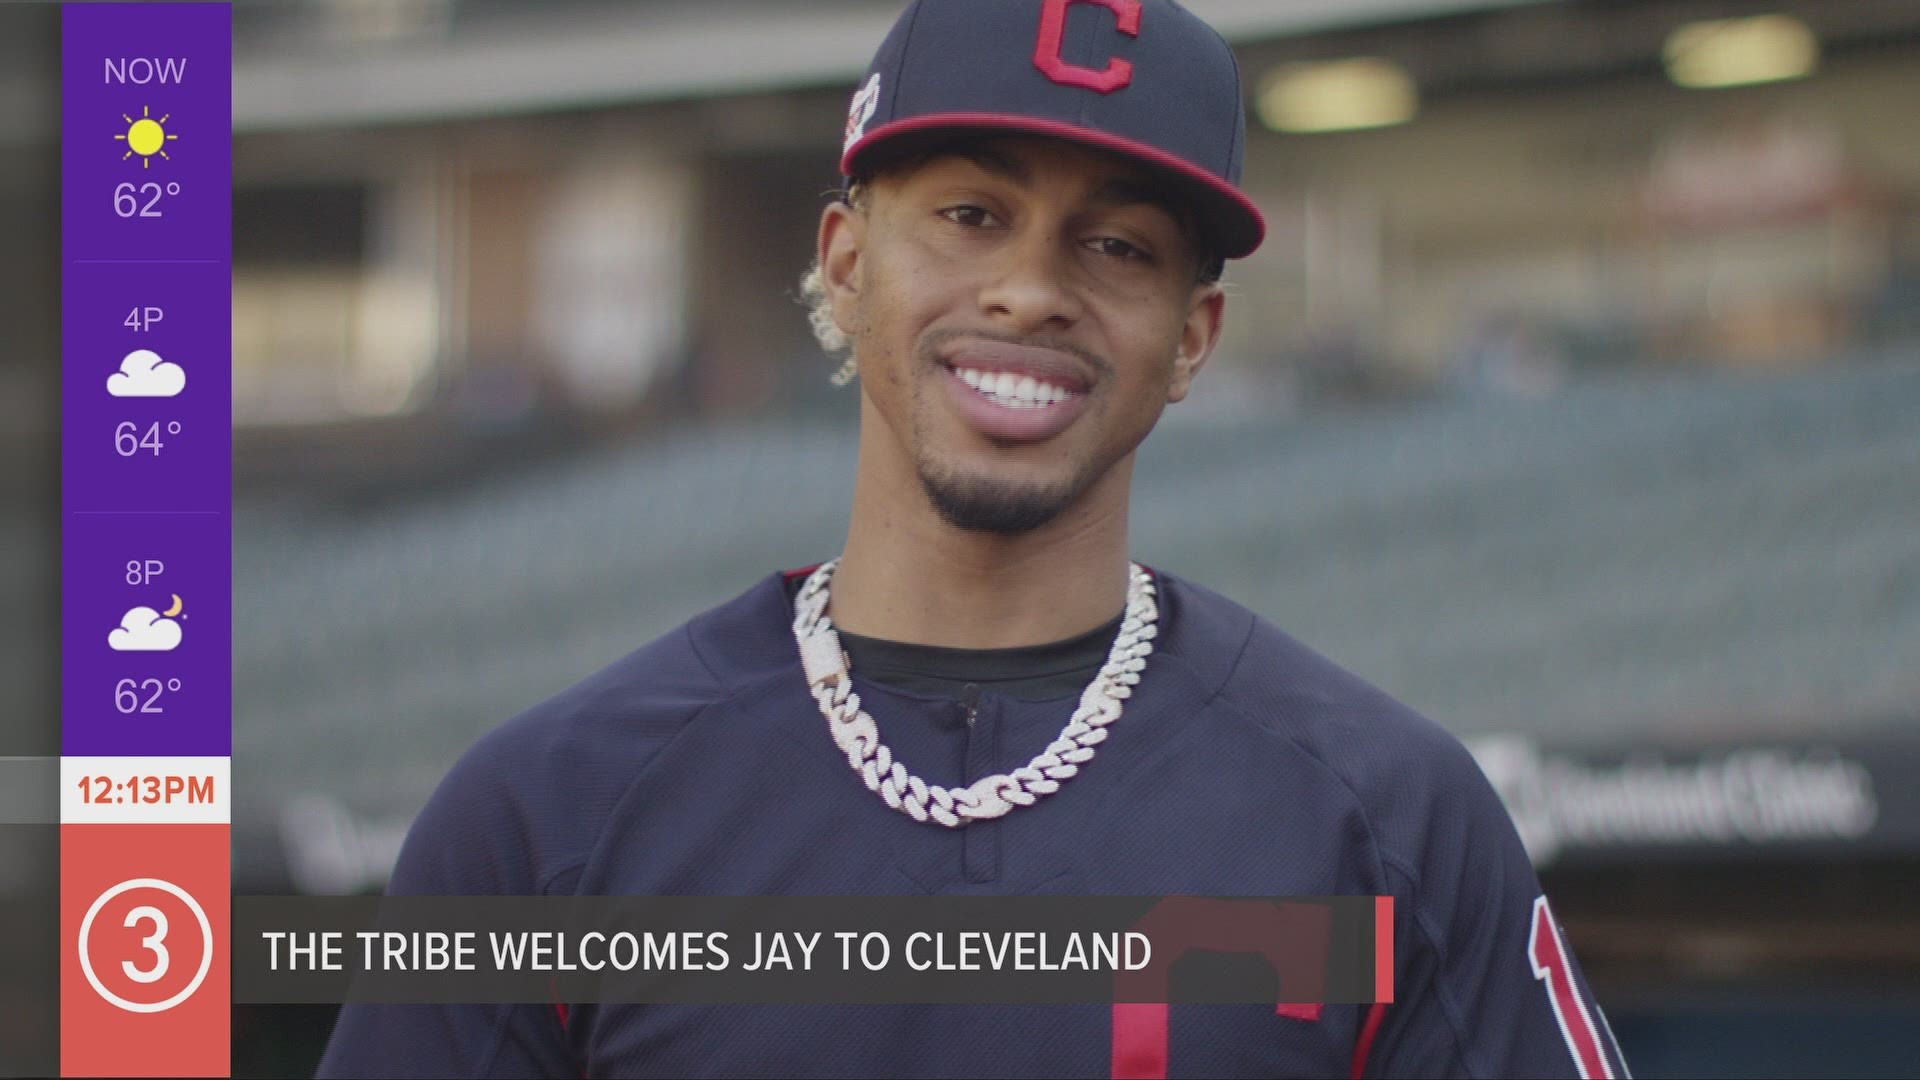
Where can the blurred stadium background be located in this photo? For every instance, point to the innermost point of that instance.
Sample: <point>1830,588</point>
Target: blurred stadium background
<point>1574,399</point>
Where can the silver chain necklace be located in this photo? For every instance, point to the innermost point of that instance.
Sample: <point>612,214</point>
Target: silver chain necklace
<point>858,737</point>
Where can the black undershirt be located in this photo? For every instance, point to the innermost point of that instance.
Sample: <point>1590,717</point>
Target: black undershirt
<point>1031,672</point>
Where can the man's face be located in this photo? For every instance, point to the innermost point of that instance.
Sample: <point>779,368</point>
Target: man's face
<point>1022,310</point>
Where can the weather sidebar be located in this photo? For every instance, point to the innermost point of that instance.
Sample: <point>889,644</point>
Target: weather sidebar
<point>146,538</point>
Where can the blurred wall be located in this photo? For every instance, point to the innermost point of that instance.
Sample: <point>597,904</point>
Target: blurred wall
<point>1557,201</point>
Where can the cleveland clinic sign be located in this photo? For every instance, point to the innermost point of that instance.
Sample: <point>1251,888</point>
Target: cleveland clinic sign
<point>1738,797</point>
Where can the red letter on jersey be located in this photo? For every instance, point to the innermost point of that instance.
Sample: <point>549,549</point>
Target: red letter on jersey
<point>1053,31</point>
<point>1293,938</point>
<point>1549,956</point>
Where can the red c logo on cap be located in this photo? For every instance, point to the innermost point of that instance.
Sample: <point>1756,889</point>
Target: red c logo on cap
<point>1053,28</point>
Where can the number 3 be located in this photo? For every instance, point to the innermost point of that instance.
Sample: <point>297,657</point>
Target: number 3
<point>1549,955</point>
<point>151,941</point>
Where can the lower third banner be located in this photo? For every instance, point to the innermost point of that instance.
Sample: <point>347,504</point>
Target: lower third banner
<point>851,950</point>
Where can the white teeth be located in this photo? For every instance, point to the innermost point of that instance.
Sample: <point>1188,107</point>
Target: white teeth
<point>1017,391</point>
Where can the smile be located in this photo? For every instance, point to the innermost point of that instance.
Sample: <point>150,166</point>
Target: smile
<point>1013,391</point>
<point>1009,407</point>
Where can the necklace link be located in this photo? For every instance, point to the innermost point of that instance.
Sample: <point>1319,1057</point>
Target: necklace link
<point>826,666</point>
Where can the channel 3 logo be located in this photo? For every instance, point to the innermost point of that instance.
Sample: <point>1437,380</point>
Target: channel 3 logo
<point>145,935</point>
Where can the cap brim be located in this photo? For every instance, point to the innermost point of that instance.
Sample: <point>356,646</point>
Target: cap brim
<point>1230,218</point>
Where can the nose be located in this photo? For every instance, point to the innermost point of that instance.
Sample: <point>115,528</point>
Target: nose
<point>1029,288</point>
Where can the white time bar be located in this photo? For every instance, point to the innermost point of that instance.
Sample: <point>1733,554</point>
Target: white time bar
<point>146,790</point>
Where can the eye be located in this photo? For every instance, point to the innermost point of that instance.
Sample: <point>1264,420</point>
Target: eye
<point>972,217</point>
<point>1114,247</point>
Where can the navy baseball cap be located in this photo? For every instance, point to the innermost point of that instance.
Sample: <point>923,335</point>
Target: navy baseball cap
<point>1144,78</point>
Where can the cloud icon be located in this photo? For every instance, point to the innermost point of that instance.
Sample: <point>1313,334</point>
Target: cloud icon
<point>145,630</point>
<point>143,374</point>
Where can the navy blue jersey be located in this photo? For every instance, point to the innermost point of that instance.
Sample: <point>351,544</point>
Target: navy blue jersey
<point>1244,764</point>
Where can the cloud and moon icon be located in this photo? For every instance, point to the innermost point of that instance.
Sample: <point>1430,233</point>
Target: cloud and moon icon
<point>144,374</point>
<point>143,629</point>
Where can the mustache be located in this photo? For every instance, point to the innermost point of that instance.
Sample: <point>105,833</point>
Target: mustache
<point>936,340</point>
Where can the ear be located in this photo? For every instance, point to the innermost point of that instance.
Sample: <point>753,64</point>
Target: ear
<point>843,233</point>
<point>1201,332</point>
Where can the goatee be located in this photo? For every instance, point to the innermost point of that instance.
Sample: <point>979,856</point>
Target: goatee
<point>980,504</point>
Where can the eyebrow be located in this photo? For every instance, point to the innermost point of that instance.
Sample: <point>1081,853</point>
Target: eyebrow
<point>1119,192</point>
<point>996,163</point>
<point>1116,191</point>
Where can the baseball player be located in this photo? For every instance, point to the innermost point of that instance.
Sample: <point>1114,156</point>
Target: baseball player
<point>1025,271</point>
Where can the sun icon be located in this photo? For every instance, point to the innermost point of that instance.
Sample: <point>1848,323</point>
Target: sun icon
<point>145,136</point>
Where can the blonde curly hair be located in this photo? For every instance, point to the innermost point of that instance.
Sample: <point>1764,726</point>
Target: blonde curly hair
<point>832,339</point>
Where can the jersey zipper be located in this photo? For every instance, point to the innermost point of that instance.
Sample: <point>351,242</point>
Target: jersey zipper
<point>980,841</point>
